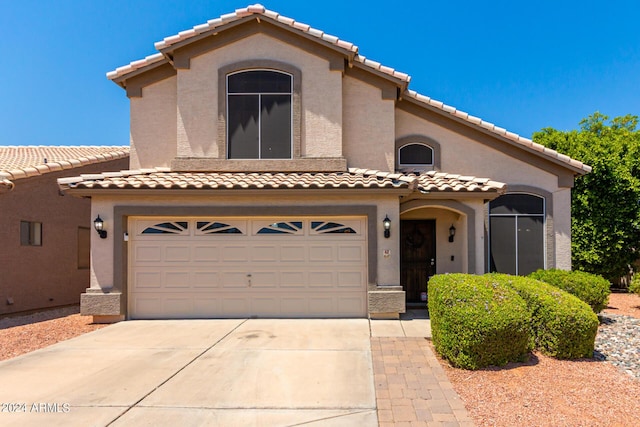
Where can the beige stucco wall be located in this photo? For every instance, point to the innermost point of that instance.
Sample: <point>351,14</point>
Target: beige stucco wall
<point>461,155</point>
<point>562,226</point>
<point>37,277</point>
<point>197,98</point>
<point>153,125</point>
<point>369,124</point>
<point>464,156</point>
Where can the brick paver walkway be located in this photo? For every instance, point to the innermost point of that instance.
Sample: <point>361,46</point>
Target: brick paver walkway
<point>412,389</point>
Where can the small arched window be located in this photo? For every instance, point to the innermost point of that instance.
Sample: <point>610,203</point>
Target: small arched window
<point>415,155</point>
<point>259,115</point>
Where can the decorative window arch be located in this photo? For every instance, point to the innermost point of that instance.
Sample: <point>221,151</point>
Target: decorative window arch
<point>417,153</point>
<point>259,110</point>
<point>517,233</point>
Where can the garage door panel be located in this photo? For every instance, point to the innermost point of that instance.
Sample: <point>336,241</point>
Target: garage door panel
<point>321,279</point>
<point>264,253</point>
<point>235,253</point>
<point>350,279</point>
<point>264,279</point>
<point>177,279</point>
<point>350,253</point>
<point>206,279</point>
<point>177,306</point>
<point>180,253</point>
<point>235,307</point>
<point>351,304</point>
<point>147,253</point>
<point>323,253</point>
<point>147,280</point>
<point>292,279</point>
<point>206,253</point>
<point>207,307</point>
<point>234,279</point>
<point>147,307</point>
<point>264,305</point>
<point>293,253</point>
<point>210,272</point>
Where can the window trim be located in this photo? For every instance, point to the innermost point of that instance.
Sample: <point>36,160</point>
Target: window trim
<point>296,108</point>
<point>422,140</point>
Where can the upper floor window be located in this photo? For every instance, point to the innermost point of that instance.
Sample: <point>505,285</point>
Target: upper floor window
<point>259,115</point>
<point>419,155</point>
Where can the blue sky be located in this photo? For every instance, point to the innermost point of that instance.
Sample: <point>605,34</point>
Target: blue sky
<point>521,65</point>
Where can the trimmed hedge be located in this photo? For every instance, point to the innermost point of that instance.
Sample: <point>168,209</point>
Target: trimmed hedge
<point>634,286</point>
<point>590,288</point>
<point>477,321</point>
<point>563,326</point>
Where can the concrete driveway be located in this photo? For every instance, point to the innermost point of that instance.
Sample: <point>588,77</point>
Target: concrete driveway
<point>256,372</point>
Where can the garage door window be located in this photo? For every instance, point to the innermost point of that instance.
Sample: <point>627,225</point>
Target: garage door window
<point>205,227</point>
<point>179,227</point>
<point>320,227</point>
<point>292,227</point>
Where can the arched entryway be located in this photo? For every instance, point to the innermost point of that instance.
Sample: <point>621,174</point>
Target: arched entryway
<point>427,246</point>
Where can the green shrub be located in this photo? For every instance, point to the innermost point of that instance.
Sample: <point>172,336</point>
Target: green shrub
<point>634,286</point>
<point>477,322</point>
<point>563,326</point>
<point>590,288</point>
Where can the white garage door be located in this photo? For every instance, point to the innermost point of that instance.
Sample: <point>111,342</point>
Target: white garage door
<point>240,267</point>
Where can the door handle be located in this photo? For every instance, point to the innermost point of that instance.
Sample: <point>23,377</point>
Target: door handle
<point>249,279</point>
<point>433,261</point>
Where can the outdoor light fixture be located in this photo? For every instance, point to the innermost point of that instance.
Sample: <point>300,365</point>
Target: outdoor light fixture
<point>386,223</point>
<point>98,224</point>
<point>452,233</point>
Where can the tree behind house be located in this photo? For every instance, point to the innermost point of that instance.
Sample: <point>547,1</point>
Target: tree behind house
<point>605,203</point>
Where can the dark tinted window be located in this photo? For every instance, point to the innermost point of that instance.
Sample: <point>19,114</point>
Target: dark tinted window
<point>518,204</point>
<point>416,154</point>
<point>259,81</point>
<point>259,115</point>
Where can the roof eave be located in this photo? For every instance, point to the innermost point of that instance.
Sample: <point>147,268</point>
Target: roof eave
<point>577,170</point>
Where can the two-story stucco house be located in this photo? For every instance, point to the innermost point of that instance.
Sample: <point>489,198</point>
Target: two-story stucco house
<point>279,173</point>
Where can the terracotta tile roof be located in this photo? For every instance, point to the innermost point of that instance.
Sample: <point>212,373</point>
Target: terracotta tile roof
<point>17,162</point>
<point>517,139</point>
<point>443,182</point>
<point>164,179</point>
<point>212,25</point>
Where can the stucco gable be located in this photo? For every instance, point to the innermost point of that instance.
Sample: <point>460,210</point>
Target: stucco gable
<point>175,53</point>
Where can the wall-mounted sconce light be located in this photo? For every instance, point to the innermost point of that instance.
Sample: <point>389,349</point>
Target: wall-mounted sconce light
<point>98,224</point>
<point>386,223</point>
<point>452,233</point>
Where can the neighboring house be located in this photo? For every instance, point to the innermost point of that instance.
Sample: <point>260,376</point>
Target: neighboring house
<point>45,236</point>
<point>270,157</point>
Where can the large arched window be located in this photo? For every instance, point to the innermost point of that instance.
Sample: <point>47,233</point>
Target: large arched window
<point>259,115</point>
<point>516,234</point>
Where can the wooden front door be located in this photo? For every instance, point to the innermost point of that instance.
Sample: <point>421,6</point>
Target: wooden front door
<point>417,256</point>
